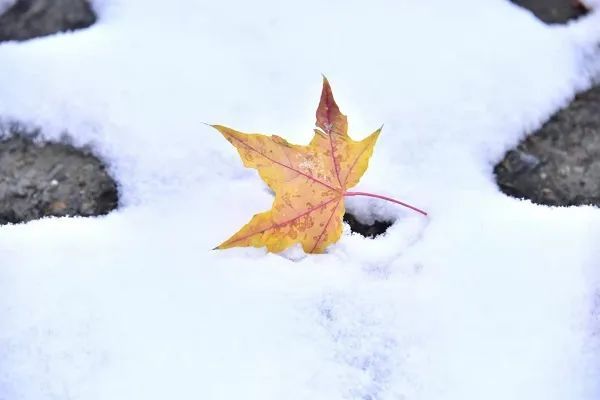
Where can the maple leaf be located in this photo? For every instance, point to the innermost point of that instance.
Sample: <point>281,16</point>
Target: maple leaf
<point>310,182</point>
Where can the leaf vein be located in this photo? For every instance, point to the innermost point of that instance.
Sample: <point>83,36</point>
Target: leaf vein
<point>326,225</point>
<point>286,166</point>
<point>289,220</point>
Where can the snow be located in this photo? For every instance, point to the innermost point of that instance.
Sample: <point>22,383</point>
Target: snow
<point>6,4</point>
<point>591,4</point>
<point>489,297</point>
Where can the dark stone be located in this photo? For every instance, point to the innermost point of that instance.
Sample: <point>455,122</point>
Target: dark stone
<point>28,19</point>
<point>553,11</point>
<point>367,230</point>
<point>559,164</point>
<point>44,179</point>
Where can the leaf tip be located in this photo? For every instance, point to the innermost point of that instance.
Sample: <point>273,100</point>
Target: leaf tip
<point>328,110</point>
<point>222,246</point>
<point>225,131</point>
<point>218,127</point>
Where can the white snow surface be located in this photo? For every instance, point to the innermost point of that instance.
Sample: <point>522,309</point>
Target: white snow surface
<point>590,4</point>
<point>6,4</point>
<point>489,297</point>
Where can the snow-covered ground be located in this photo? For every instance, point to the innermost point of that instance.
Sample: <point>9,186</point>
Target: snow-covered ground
<point>488,298</point>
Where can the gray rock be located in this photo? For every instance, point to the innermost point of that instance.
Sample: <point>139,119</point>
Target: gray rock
<point>553,11</point>
<point>27,19</point>
<point>559,164</point>
<point>38,180</point>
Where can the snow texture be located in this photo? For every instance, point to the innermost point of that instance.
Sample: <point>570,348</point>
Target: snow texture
<point>6,4</point>
<point>591,4</point>
<point>489,298</point>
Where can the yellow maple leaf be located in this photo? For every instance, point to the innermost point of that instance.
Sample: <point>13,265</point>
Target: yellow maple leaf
<point>310,182</point>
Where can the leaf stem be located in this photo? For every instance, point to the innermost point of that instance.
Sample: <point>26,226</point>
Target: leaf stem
<point>378,196</point>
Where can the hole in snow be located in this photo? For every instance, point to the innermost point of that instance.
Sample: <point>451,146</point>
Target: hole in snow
<point>367,230</point>
<point>27,19</point>
<point>50,179</point>
<point>560,163</point>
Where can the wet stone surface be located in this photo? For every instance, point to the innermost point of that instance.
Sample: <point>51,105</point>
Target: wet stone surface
<point>553,11</point>
<point>559,164</point>
<point>27,19</point>
<point>51,179</point>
